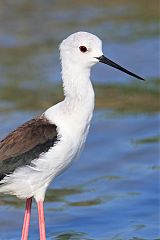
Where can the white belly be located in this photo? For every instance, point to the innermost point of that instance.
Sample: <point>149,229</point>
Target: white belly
<point>73,125</point>
<point>33,180</point>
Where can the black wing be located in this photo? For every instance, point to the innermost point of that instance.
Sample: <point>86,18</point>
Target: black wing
<point>25,144</point>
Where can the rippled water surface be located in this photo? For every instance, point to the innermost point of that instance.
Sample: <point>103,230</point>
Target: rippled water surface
<point>112,191</point>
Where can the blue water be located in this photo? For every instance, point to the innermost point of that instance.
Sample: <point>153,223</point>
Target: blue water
<point>111,192</point>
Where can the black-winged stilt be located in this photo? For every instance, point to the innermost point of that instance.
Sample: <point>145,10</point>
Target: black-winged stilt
<point>36,152</point>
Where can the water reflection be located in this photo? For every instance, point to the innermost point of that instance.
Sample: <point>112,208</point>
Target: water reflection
<point>71,236</point>
<point>123,98</point>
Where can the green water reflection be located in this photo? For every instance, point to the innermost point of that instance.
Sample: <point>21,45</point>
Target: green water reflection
<point>133,98</point>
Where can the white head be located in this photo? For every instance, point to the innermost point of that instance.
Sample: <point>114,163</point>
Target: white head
<point>81,48</point>
<point>85,49</point>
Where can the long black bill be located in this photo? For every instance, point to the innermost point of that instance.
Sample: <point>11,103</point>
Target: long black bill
<point>107,61</point>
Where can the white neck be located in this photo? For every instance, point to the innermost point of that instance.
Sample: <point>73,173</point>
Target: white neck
<point>78,90</point>
<point>76,83</point>
<point>78,104</point>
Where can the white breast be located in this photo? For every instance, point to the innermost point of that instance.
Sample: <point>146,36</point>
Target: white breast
<point>72,120</point>
<point>72,132</point>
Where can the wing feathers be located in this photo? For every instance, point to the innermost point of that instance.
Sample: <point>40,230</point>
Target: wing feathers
<point>32,133</point>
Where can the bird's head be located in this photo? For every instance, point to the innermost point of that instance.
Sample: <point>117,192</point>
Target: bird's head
<point>85,49</point>
<point>81,48</point>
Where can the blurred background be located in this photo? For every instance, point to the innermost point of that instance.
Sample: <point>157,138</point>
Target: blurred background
<point>111,192</point>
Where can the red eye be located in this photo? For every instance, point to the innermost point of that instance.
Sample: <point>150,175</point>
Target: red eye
<point>83,49</point>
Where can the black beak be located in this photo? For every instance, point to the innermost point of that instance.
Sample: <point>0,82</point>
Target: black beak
<point>107,61</point>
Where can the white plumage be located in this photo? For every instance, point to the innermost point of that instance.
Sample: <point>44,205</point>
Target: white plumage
<point>28,165</point>
<point>72,116</point>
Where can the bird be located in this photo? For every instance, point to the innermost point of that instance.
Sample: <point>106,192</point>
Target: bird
<point>32,155</point>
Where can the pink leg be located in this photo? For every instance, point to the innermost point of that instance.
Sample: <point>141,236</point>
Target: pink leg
<point>26,222</point>
<point>42,227</point>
